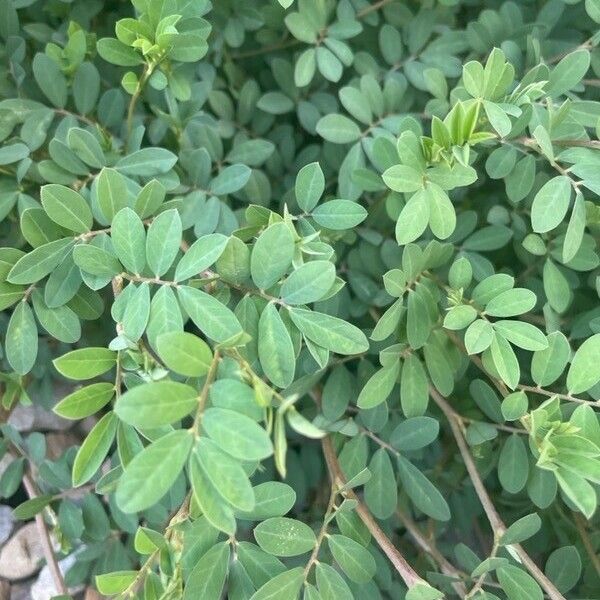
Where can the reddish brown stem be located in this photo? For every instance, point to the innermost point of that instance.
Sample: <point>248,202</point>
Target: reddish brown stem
<point>406,572</point>
<point>492,515</point>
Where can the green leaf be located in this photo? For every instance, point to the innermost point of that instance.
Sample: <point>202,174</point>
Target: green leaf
<point>162,241</point>
<point>517,584</point>
<point>147,162</point>
<point>459,317</point>
<point>414,433</point>
<point>578,491</point>
<point>202,254</point>
<point>251,152</point>
<point>478,336</point>
<point>583,372</point>
<point>379,386</point>
<point>421,491</point>
<point>67,208</point>
<point>281,536</point>
<point>94,449</point>
<point>129,240</point>
<point>511,303</point>
<point>28,509</point>
<point>310,185</point>
<point>285,586</point>
<point>149,199</point>
<point>117,53</point>
<point>514,406</point>
<point>339,214</point>
<point>442,216</point>
<point>330,332</point>
<point>414,387</point>
<point>338,129</point>
<point>250,442</point>
<point>272,255</point>
<point>184,353</point>
<point>153,471</point>
<point>207,579</point>
<point>331,584</point>
<point>61,322</point>
<point>381,490</point>
<point>86,146</point>
<point>575,229</point>
<point>39,262</point>
<point>212,317</point>
<point>547,365</point>
<point>151,405</point>
<point>85,401</point>
<point>355,560</point>
<point>513,464</point>
<point>272,499</point>
<point>413,219</point>
<point>402,178</point>
<point>21,343</point>
<point>521,530</point>
<point>230,179</point>
<point>309,282</point>
<point>226,475</point>
<point>275,348</point>
<point>86,87</point>
<point>50,78</point>
<point>96,260</point>
<point>564,567</point>
<point>85,363</point>
<point>112,193</point>
<point>13,153</point>
<point>217,512</point>
<point>550,204</point>
<point>116,582</point>
<point>521,334</point>
<point>568,72</point>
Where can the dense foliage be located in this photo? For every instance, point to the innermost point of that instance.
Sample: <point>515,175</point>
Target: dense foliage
<point>323,276</point>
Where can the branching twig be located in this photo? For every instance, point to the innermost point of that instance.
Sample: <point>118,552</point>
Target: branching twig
<point>492,515</point>
<point>580,523</point>
<point>59,582</point>
<point>406,572</point>
<point>445,565</point>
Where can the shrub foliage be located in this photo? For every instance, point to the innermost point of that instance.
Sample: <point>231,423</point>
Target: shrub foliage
<point>322,279</point>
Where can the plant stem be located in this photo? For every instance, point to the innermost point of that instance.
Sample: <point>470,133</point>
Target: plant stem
<point>59,582</point>
<point>445,565</point>
<point>406,572</point>
<point>323,532</point>
<point>580,523</point>
<point>493,517</point>
<point>136,95</point>
<point>210,377</point>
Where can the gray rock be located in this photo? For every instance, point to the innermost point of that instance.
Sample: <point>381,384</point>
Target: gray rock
<point>36,418</point>
<point>43,588</point>
<point>7,522</point>
<point>22,555</point>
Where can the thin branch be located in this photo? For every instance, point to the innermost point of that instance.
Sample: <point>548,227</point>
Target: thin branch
<point>525,388</point>
<point>210,377</point>
<point>406,572</point>
<point>445,565</point>
<point>369,9</point>
<point>527,141</point>
<point>550,393</point>
<point>290,43</point>
<point>265,49</point>
<point>323,532</point>
<point>492,515</point>
<point>59,582</point>
<point>580,523</point>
